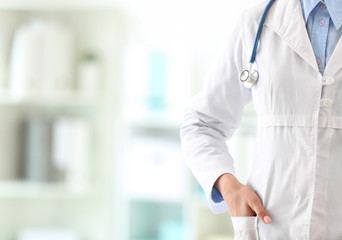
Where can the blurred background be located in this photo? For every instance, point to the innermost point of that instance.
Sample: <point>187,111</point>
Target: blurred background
<point>92,94</point>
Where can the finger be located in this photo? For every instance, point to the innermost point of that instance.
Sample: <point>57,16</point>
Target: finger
<point>260,211</point>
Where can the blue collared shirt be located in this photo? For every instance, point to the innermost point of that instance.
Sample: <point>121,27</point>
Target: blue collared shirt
<point>323,23</point>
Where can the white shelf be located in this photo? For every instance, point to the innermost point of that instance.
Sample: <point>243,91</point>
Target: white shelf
<point>135,197</point>
<point>65,100</point>
<point>217,237</point>
<point>23,189</point>
<point>151,120</point>
<point>90,207</point>
<point>165,200</point>
<point>55,5</point>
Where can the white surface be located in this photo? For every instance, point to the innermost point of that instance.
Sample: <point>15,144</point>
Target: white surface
<point>70,99</point>
<point>155,170</point>
<point>45,234</point>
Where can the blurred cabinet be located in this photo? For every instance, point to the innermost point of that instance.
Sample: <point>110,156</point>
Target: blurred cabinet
<point>154,189</point>
<point>154,181</point>
<point>74,130</point>
<point>161,199</point>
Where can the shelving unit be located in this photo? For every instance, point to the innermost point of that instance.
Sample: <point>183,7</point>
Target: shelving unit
<point>88,209</point>
<point>107,208</point>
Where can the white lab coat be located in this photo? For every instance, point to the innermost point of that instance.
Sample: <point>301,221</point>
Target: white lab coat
<point>297,166</point>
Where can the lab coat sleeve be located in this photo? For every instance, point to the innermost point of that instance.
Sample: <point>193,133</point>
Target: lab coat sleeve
<point>211,118</point>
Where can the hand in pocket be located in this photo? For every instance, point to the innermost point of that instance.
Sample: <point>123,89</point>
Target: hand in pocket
<point>242,201</point>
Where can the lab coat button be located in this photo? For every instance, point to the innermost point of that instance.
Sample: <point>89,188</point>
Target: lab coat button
<point>328,81</point>
<point>326,102</point>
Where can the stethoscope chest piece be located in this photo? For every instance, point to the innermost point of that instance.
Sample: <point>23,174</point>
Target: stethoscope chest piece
<point>249,77</point>
<point>244,76</point>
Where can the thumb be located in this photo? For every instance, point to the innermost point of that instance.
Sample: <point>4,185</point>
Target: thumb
<point>258,208</point>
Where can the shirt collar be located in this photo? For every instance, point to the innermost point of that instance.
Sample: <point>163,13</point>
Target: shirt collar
<point>334,7</point>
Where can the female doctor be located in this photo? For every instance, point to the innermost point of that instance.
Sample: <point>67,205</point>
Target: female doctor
<point>294,190</point>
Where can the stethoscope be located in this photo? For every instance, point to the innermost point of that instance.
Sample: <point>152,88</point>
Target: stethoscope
<point>250,77</point>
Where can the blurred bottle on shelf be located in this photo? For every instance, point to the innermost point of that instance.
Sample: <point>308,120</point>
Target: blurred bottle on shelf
<point>89,75</point>
<point>37,150</point>
<point>143,83</point>
<point>57,150</point>
<point>70,150</point>
<point>42,59</point>
<point>157,81</point>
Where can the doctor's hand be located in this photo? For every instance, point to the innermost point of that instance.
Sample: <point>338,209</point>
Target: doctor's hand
<point>242,201</point>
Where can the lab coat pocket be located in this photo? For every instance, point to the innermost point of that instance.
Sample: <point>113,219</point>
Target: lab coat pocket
<point>245,228</point>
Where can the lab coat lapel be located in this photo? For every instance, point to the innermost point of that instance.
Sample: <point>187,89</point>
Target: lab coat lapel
<point>286,19</point>
<point>335,62</point>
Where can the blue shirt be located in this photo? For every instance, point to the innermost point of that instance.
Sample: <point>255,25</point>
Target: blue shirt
<point>323,20</point>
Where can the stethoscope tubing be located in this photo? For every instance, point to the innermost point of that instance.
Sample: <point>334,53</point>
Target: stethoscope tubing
<point>257,38</point>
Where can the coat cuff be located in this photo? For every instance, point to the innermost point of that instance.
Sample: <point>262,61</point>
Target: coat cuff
<point>214,196</point>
